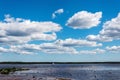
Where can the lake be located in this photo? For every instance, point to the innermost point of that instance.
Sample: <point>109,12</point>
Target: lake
<point>67,71</point>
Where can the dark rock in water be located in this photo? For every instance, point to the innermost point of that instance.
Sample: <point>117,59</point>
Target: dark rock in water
<point>110,72</point>
<point>63,79</point>
<point>33,76</point>
<point>95,76</point>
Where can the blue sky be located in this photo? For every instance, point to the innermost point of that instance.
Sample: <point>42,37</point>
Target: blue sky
<point>59,30</point>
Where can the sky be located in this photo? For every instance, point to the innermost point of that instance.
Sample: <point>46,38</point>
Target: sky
<point>59,30</point>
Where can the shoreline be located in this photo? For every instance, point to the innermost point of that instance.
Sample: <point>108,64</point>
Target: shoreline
<point>59,62</point>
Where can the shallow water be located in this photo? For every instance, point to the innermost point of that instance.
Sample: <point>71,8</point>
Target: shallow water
<point>71,71</point>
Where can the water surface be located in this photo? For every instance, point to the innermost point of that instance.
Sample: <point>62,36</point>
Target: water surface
<point>71,71</point>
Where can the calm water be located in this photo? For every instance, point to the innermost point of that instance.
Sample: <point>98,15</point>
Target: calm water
<point>72,71</point>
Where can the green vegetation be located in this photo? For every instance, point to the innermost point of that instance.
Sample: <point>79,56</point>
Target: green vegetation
<point>11,70</point>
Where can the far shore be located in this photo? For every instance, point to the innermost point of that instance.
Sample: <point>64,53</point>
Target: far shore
<point>59,62</point>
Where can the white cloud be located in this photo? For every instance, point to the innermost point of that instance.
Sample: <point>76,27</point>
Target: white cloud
<point>99,38</point>
<point>3,50</point>
<point>69,46</point>
<point>21,49</point>
<point>110,31</point>
<point>95,51</point>
<point>33,49</point>
<point>84,20</point>
<point>57,49</point>
<point>51,36</point>
<point>77,43</point>
<point>18,30</point>
<point>59,11</point>
<point>50,48</point>
<point>25,49</point>
<point>113,49</point>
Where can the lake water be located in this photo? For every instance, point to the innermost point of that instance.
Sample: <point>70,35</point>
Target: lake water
<point>69,71</point>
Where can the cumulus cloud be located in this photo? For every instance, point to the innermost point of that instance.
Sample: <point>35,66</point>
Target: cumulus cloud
<point>113,49</point>
<point>77,43</point>
<point>69,46</point>
<point>84,20</point>
<point>3,50</point>
<point>59,11</point>
<point>21,49</point>
<point>18,30</point>
<point>50,48</point>
<point>57,47</point>
<point>95,51</point>
<point>99,38</point>
<point>110,31</point>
